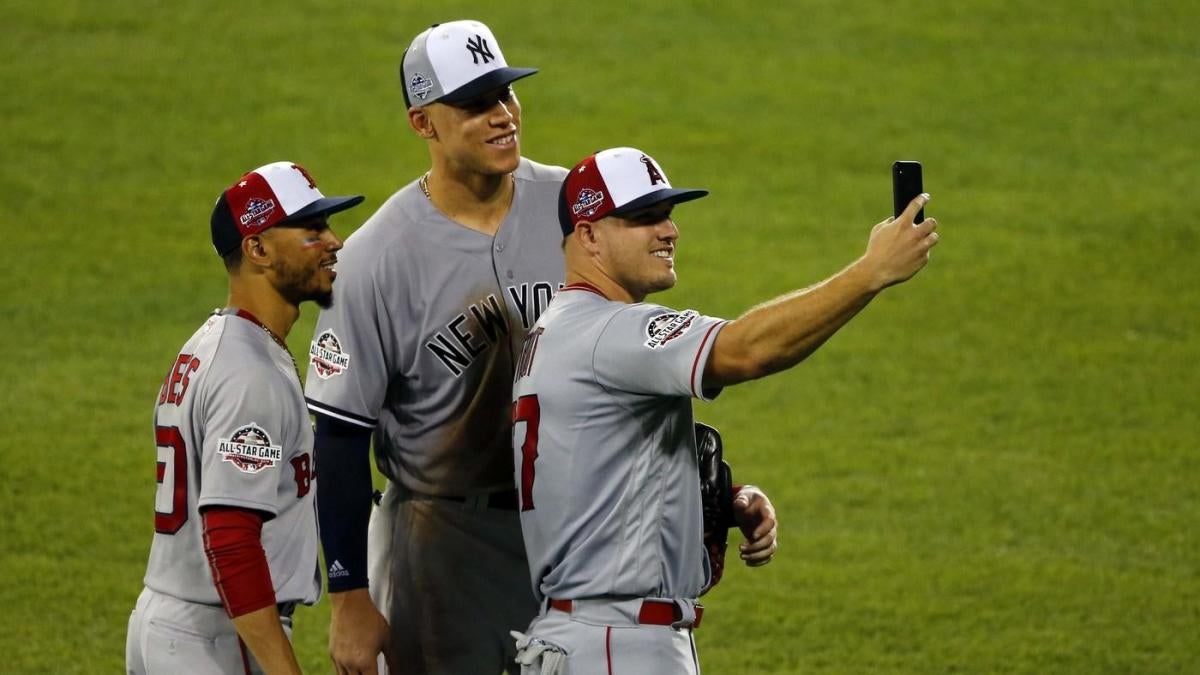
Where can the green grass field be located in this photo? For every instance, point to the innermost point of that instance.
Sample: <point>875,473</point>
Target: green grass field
<point>994,469</point>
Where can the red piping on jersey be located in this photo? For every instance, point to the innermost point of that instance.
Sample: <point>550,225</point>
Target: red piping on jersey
<point>696,362</point>
<point>608,648</point>
<point>585,286</point>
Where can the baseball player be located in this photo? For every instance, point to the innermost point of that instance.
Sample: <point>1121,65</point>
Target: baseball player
<point>604,443</point>
<point>439,288</point>
<point>235,532</point>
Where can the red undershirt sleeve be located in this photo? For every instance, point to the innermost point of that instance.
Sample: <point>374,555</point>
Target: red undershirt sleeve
<point>233,543</point>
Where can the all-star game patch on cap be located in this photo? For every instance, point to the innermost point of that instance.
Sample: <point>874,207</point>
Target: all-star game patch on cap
<point>615,182</point>
<point>275,194</point>
<point>454,62</point>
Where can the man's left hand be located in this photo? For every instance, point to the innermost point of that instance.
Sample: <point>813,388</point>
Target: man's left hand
<point>755,517</point>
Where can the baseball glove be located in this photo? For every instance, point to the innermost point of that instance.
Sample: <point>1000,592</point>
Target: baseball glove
<point>716,496</point>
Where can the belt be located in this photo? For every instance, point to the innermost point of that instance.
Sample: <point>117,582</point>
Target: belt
<point>505,499</point>
<point>286,609</point>
<point>653,612</point>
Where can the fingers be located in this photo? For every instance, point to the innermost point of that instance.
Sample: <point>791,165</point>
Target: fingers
<point>918,203</point>
<point>760,551</point>
<point>754,512</point>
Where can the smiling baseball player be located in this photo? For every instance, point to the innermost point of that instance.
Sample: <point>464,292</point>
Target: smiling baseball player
<point>605,445</point>
<point>235,542</point>
<point>439,287</point>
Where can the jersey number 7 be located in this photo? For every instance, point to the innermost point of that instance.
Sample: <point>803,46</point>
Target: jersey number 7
<point>529,411</point>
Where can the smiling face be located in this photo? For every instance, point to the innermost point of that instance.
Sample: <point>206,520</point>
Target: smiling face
<point>637,251</point>
<point>303,257</point>
<point>479,136</point>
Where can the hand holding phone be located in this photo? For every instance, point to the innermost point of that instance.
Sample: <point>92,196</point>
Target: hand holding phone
<point>906,185</point>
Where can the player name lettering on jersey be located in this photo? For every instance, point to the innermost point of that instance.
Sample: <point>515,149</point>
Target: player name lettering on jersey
<point>250,449</point>
<point>176,382</point>
<point>528,351</point>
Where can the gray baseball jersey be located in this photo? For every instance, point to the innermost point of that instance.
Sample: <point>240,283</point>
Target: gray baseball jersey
<point>232,430</point>
<point>427,319</point>
<point>605,449</point>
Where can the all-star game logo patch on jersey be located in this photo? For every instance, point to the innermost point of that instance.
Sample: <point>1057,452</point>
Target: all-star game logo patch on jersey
<point>325,353</point>
<point>250,449</point>
<point>666,327</point>
<point>257,211</point>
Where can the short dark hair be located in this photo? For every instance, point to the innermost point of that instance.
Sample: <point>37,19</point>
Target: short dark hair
<point>233,259</point>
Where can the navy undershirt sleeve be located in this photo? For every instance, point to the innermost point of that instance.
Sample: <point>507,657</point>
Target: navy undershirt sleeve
<point>344,492</point>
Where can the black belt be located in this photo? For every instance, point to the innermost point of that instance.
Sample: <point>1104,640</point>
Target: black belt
<point>286,609</point>
<point>505,500</point>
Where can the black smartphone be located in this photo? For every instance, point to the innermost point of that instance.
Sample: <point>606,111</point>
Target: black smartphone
<point>906,185</point>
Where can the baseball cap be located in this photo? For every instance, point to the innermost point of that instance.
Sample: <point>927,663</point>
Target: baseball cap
<point>615,182</point>
<point>454,62</point>
<point>274,194</point>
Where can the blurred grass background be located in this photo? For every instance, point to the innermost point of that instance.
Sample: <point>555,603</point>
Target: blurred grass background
<point>994,469</point>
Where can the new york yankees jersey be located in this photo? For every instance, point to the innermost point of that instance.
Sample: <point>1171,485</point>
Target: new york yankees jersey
<point>232,430</point>
<point>605,450</point>
<point>427,318</point>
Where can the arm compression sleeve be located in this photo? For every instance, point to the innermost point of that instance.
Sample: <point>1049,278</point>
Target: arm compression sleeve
<point>233,543</point>
<point>343,454</point>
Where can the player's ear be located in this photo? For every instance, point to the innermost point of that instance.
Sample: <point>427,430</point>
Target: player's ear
<point>254,251</point>
<point>419,121</point>
<point>585,232</point>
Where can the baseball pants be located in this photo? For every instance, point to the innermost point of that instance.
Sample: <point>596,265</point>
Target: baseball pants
<point>168,636</point>
<point>452,580</point>
<point>605,637</point>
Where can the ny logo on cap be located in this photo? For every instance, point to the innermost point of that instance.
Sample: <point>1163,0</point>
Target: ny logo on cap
<point>479,49</point>
<point>656,176</point>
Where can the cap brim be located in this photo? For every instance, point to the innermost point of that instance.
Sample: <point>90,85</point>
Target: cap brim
<point>485,83</point>
<point>326,206</point>
<point>672,195</point>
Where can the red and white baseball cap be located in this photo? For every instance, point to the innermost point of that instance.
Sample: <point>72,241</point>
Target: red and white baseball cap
<point>275,194</point>
<point>454,62</point>
<point>615,182</point>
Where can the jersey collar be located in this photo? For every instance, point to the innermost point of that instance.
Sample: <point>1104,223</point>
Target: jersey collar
<point>585,286</point>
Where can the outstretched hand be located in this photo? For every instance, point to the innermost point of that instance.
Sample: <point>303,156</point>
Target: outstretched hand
<point>898,247</point>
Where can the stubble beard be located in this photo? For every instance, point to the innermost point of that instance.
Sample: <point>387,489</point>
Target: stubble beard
<point>298,285</point>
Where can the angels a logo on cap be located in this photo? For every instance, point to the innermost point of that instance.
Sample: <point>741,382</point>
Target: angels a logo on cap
<point>250,449</point>
<point>325,353</point>
<point>656,176</point>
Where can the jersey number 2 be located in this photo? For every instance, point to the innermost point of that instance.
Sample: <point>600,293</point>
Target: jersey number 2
<point>528,411</point>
